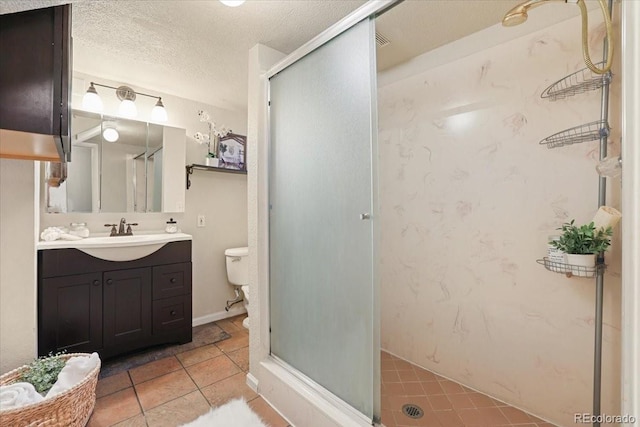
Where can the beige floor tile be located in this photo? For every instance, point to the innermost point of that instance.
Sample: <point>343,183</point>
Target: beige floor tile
<point>114,408</point>
<point>227,389</point>
<point>154,369</point>
<point>515,416</point>
<point>451,387</point>
<point>440,402</point>
<point>112,384</point>
<point>449,419</point>
<point>237,340</point>
<point>178,411</point>
<point>212,370</point>
<point>241,358</point>
<point>163,389</point>
<point>267,413</point>
<point>237,320</point>
<point>408,376</point>
<point>413,389</point>
<point>481,401</point>
<point>492,416</point>
<point>461,401</point>
<point>432,387</point>
<point>390,377</point>
<point>198,355</point>
<point>137,421</point>
<point>229,327</point>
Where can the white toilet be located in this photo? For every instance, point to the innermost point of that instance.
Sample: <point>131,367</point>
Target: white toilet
<point>238,276</point>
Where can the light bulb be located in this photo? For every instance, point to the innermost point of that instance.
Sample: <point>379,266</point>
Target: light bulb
<point>232,3</point>
<point>159,114</point>
<point>128,108</point>
<point>91,100</point>
<point>110,134</point>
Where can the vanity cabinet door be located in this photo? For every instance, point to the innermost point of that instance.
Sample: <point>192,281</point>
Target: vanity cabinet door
<point>127,308</point>
<point>71,314</point>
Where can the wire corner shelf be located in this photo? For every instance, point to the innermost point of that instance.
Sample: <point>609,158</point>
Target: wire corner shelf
<point>581,81</point>
<point>571,270</point>
<point>587,132</point>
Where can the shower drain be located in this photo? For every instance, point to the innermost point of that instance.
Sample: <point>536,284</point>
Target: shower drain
<point>412,411</point>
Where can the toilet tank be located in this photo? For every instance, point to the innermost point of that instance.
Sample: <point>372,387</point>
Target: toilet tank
<point>237,266</point>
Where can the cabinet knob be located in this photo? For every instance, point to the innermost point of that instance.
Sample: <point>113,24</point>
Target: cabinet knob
<point>109,281</point>
<point>172,280</point>
<point>172,312</point>
<point>96,282</point>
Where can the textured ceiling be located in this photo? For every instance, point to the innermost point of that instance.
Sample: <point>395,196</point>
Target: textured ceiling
<point>194,49</point>
<point>199,49</point>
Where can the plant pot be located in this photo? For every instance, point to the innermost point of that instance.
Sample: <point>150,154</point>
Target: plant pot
<point>582,265</point>
<point>212,161</point>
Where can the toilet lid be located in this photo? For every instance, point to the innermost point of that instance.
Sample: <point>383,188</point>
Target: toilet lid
<point>237,252</point>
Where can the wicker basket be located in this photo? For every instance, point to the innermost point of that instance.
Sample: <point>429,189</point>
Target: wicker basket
<point>71,408</point>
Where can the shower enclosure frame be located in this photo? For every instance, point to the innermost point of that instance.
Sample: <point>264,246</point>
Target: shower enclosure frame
<point>324,396</point>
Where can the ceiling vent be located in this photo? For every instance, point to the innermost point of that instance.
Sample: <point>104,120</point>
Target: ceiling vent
<point>382,40</point>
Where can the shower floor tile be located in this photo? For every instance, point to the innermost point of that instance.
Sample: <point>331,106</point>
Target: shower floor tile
<point>444,403</point>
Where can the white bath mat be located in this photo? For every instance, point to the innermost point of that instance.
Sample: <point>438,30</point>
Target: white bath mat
<point>233,414</point>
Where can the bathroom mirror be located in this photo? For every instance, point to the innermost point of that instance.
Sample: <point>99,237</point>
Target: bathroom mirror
<point>120,165</point>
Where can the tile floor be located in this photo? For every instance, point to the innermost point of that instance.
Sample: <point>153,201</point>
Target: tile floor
<point>445,403</point>
<point>179,388</point>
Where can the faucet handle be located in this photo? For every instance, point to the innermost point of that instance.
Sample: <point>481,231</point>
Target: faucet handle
<point>129,231</point>
<point>114,232</point>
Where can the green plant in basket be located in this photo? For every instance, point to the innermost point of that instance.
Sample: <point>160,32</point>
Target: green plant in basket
<point>583,240</point>
<point>43,372</point>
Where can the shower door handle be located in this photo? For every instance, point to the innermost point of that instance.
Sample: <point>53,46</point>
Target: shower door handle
<point>364,216</point>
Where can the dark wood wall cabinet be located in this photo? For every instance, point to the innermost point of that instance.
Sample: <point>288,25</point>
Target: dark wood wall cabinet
<point>35,84</point>
<point>86,304</point>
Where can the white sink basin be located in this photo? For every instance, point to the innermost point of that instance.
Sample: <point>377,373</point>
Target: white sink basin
<point>118,248</point>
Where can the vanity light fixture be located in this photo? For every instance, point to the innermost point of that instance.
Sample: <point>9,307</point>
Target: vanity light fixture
<point>159,114</point>
<point>127,107</point>
<point>232,3</point>
<point>127,96</point>
<point>91,100</point>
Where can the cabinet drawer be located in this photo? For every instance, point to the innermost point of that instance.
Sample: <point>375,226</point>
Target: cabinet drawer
<point>171,314</point>
<point>171,280</point>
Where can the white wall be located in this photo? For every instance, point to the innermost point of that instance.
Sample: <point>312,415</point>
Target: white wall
<point>468,198</point>
<point>17,264</point>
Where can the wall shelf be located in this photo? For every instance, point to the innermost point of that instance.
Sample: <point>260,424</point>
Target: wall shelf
<point>581,81</point>
<point>575,135</point>
<point>191,168</point>
<point>571,270</point>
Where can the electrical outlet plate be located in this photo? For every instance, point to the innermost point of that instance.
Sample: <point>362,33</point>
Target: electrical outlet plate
<point>201,221</point>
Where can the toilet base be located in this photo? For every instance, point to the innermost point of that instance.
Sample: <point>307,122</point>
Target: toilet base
<point>245,323</point>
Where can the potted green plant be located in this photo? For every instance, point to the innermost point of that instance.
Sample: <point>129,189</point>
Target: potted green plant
<point>581,244</point>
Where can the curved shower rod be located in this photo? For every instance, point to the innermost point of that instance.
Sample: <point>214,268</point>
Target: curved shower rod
<point>518,15</point>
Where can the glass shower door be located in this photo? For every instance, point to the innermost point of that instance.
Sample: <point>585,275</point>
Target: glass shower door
<point>323,294</point>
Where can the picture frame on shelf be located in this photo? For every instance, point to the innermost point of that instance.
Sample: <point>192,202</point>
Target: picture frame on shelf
<point>232,152</point>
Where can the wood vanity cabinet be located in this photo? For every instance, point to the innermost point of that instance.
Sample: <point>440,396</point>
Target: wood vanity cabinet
<point>87,304</point>
<point>35,84</point>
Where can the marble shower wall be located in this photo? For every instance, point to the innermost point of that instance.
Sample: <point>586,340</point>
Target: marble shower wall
<point>468,198</point>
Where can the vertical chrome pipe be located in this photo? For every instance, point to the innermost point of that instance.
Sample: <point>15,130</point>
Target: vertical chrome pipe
<point>602,200</point>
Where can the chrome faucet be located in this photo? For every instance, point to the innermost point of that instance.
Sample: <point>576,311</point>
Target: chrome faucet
<point>121,227</point>
<point>121,230</point>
